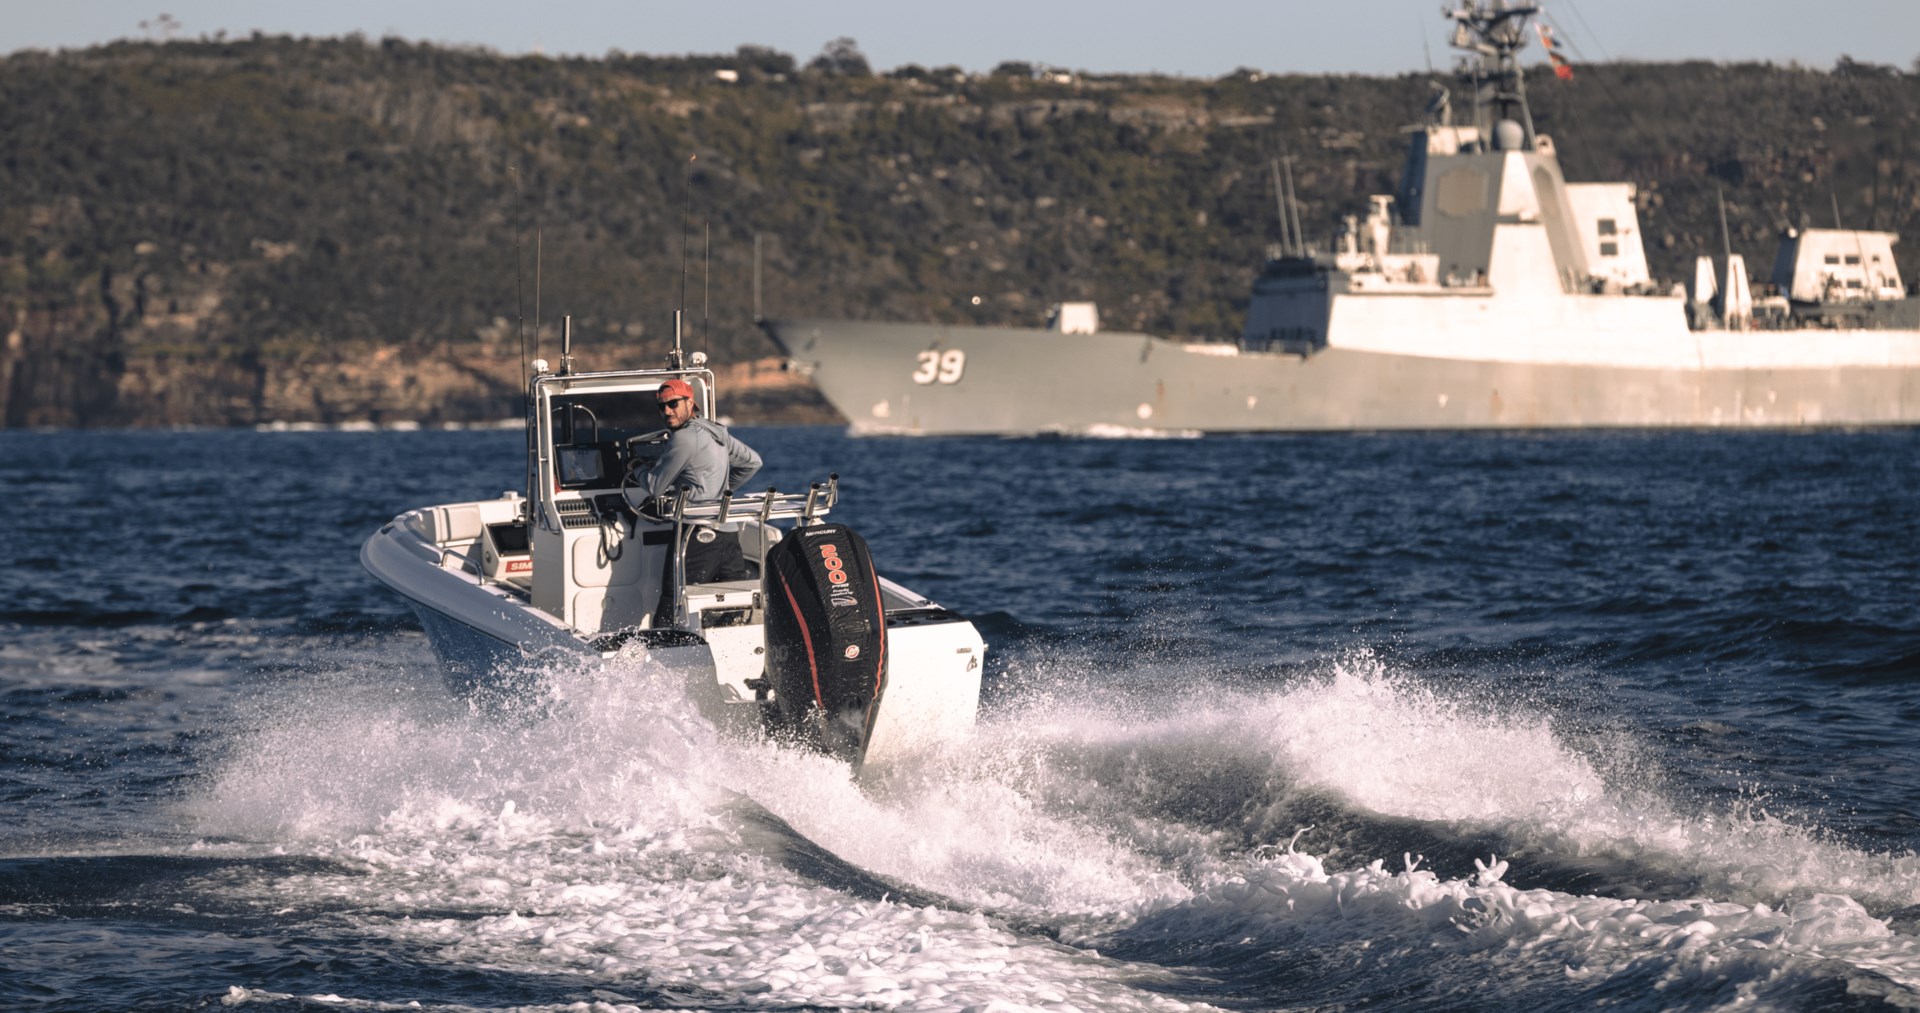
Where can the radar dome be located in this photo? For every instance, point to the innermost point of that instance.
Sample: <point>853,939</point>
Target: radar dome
<point>1508,136</point>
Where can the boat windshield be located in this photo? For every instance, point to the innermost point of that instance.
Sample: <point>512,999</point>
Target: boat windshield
<point>599,417</point>
<point>591,430</point>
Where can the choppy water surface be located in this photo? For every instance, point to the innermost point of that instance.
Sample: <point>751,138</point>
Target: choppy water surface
<point>1346,722</point>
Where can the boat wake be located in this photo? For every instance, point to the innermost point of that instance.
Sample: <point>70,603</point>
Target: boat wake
<point>1094,842</point>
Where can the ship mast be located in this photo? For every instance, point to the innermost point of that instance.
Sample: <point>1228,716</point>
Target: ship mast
<point>1494,32</point>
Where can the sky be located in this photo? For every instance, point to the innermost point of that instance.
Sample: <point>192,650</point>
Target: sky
<point>1193,38</point>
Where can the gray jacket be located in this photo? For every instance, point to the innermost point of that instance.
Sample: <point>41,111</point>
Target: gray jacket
<point>703,458</point>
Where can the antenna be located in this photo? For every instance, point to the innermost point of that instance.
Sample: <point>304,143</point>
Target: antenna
<point>566,343</point>
<point>1726,238</point>
<point>1494,34</point>
<point>756,279</point>
<point>1440,105</point>
<point>706,284</point>
<point>1280,205</point>
<point>676,359</point>
<point>1279,199</point>
<point>519,295</point>
<point>536,291</point>
<point>520,322</point>
<point>1293,208</point>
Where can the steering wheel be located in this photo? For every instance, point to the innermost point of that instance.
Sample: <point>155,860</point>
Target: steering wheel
<point>640,452</point>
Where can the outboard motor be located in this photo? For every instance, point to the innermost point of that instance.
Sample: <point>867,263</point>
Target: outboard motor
<point>826,638</point>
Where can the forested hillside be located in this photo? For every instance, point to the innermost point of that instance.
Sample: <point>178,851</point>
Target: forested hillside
<point>235,231</point>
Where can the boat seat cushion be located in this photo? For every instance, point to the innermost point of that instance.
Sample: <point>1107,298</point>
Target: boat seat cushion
<point>446,524</point>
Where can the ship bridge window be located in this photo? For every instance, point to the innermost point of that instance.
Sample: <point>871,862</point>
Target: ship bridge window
<point>1853,258</point>
<point>1608,227</point>
<point>1833,258</point>
<point>1609,249</point>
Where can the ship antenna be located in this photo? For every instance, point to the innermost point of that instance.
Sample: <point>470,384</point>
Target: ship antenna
<point>1440,106</point>
<point>1859,247</point>
<point>1280,207</point>
<point>1494,35</point>
<point>1293,208</point>
<point>1726,238</point>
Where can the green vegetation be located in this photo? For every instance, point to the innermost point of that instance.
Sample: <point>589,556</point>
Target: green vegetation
<point>228,212</point>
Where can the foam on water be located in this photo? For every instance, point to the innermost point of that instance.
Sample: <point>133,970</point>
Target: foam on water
<point>1198,784</point>
<point>610,831</point>
<point>1692,951</point>
<point>1395,747</point>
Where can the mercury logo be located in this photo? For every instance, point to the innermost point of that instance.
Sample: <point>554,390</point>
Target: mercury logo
<point>840,592</point>
<point>853,651</point>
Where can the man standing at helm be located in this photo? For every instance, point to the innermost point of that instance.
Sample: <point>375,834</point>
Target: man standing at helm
<point>702,458</point>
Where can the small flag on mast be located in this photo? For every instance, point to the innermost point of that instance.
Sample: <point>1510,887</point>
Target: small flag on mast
<point>1562,67</point>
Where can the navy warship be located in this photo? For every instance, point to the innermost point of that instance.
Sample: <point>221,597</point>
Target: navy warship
<point>1487,292</point>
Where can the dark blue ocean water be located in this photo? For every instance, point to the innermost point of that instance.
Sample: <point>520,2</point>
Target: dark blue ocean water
<point>1430,721</point>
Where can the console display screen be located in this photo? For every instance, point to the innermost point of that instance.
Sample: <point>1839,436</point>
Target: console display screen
<point>580,464</point>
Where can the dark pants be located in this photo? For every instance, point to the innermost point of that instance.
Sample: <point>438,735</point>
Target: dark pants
<point>707,562</point>
<point>720,559</point>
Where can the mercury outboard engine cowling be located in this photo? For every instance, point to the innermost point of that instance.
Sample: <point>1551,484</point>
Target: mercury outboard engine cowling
<point>826,638</point>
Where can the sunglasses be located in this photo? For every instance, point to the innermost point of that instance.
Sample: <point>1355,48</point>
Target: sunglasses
<point>673,403</point>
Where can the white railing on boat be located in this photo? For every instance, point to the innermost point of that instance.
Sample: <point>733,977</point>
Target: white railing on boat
<point>771,505</point>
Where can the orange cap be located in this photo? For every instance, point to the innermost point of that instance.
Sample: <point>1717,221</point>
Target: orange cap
<point>673,389</point>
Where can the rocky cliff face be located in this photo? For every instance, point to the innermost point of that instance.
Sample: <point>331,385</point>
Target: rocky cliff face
<point>375,385</point>
<point>56,367</point>
<point>385,387</point>
<point>122,352</point>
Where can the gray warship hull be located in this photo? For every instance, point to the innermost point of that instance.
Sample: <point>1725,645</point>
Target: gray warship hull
<point>1031,381</point>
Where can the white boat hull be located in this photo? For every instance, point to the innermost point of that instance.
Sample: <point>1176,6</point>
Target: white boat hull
<point>493,643</point>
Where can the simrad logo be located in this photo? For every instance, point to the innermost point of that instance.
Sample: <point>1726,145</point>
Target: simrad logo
<point>839,591</point>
